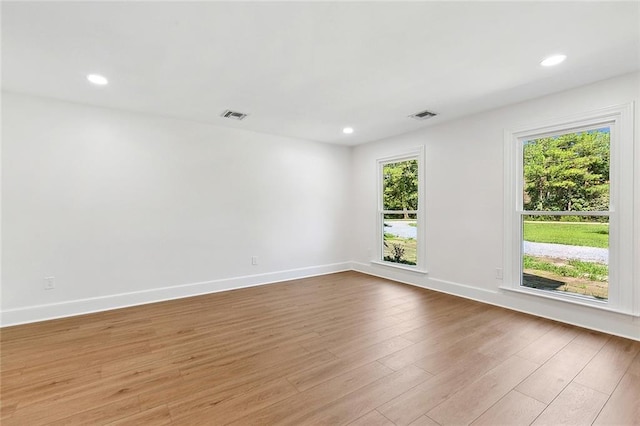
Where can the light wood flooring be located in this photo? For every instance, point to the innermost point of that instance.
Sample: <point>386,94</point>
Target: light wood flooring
<point>339,349</point>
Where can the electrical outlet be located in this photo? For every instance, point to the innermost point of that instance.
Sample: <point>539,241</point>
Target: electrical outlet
<point>498,273</point>
<point>254,260</point>
<point>49,283</point>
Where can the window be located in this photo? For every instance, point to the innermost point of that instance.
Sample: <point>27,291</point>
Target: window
<point>569,210</point>
<point>400,216</point>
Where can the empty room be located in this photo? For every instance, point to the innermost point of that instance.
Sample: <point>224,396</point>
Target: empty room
<point>320,213</point>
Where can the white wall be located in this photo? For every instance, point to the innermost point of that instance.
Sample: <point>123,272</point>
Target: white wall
<point>464,202</point>
<point>127,208</point>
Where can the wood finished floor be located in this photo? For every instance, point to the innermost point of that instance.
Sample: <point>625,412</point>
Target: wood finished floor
<point>338,349</point>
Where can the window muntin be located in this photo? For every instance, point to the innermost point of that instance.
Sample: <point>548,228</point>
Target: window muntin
<point>400,184</point>
<point>623,296</point>
<point>564,174</point>
<point>400,215</point>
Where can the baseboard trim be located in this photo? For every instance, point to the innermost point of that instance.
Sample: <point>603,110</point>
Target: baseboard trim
<point>586,317</point>
<point>38,313</point>
<point>581,316</point>
<point>443,286</point>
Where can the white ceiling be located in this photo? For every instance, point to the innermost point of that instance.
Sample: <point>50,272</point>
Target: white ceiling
<point>306,70</point>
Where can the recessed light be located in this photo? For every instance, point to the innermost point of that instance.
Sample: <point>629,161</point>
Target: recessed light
<point>347,130</point>
<point>553,60</point>
<point>97,79</point>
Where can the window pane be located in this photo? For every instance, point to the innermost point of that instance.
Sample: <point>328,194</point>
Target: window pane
<point>568,172</point>
<point>400,185</point>
<point>400,243</point>
<point>566,254</point>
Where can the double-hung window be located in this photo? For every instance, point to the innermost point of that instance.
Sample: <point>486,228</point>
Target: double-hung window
<point>569,210</point>
<point>400,212</point>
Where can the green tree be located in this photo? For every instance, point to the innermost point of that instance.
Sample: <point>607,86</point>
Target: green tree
<point>568,172</point>
<point>401,186</point>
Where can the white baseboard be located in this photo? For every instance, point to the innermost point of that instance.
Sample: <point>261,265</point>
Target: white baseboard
<point>37,313</point>
<point>582,316</point>
<point>607,322</point>
<point>423,281</point>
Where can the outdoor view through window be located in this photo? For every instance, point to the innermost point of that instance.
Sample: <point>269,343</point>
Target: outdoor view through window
<point>399,212</point>
<point>565,216</point>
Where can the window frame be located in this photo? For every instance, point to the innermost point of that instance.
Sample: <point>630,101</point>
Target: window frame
<point>622,296</point>
<point>412,154</point>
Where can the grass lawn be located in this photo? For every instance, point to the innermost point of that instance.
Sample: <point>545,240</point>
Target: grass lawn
<point>569,268</point>
<point>409,245</point>
<point>569,233</point>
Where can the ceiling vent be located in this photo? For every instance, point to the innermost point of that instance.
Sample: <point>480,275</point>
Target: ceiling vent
<point>234,115</point>
<point>423,115</point>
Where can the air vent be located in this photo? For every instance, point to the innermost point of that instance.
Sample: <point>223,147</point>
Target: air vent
<point>234,115</point>
<point>423,115</point>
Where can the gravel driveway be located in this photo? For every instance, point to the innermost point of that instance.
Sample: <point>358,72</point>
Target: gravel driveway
<point>561,251</point>
<point>401,228</point>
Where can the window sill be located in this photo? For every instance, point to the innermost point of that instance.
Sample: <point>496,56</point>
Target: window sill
<point>575,300</point>
<point>400,266</point>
